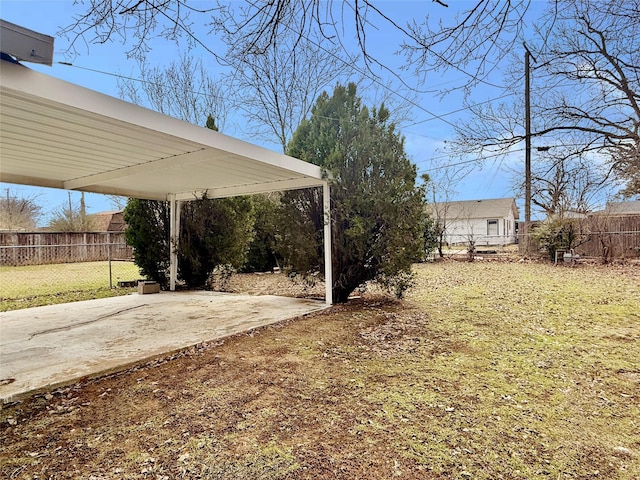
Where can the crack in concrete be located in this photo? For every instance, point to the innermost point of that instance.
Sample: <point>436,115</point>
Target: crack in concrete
<point>69,327</point>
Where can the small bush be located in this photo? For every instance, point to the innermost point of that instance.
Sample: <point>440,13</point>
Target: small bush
<point>558,234</point>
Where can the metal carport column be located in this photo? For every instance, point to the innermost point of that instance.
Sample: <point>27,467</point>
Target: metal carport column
<point>174,232</point>
<point>328,257</point>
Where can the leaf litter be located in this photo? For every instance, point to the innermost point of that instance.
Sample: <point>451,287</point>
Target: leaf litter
<point>487,370</point>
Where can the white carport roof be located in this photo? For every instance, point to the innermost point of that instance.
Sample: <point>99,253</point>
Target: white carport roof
<point>57,134</point>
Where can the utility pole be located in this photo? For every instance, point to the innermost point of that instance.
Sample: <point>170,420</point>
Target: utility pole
<point>527,142</point>
<point>527,137</point>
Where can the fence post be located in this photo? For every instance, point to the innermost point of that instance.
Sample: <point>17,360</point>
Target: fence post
<point>109,259</point>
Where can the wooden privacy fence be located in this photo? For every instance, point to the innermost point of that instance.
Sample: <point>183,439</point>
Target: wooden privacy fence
<point>17,248</point>
<point>599,235</point>
<point>610,236</point>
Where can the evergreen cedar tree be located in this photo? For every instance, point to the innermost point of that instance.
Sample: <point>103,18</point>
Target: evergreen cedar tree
<point>213,232</point>
<point>148,233</point>
<point>377,209</point>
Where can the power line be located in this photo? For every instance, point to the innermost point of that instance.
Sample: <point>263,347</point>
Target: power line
<point>480,159</point>
<point>462,109</point>
<point>141,80</point>
<point>117,75</point>
<point>464,162</point>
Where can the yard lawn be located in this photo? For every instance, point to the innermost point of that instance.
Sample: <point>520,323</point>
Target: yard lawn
<point>485,371</point>
<point>36,285</point>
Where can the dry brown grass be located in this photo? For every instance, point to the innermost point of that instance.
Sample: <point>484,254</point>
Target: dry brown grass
<point>486,371</point>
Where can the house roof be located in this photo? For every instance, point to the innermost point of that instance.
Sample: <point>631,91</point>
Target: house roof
<point>488,208</point>
<point>623,208</point>
<point>108,221</point>
<point>57,134</point>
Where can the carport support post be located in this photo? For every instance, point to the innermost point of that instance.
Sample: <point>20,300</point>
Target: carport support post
<point>174,230</point>
<point>328,262</point>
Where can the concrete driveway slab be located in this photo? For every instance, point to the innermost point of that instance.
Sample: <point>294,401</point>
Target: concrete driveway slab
<point>45,347</point>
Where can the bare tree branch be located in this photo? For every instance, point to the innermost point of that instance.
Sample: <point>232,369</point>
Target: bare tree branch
<point>182,90</point>
<point>473,44</point>
<point>586,86</point>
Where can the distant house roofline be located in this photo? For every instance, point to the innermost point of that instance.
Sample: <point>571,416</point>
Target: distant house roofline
<point>481,208</point>
<point>631,207</point>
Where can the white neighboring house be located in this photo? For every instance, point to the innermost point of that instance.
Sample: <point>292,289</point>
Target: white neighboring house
<point>484,222</point>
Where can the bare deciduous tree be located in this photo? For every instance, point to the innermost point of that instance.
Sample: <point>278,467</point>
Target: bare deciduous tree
<point>568,185</point>
<point>19,213</point>
<point>593,47</point>
<point>440,191</point>
<point>275,85</point>
<point>562,181</point>
<point>71,217</point>
<point>585,96</point>
<point>182,90</point>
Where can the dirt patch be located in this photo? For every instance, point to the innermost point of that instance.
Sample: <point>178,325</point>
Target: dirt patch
<point>269,284</point>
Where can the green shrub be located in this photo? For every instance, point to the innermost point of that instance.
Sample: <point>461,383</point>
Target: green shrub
<point>148,233</point>
<point>557,233</point>
<point>213,232</point>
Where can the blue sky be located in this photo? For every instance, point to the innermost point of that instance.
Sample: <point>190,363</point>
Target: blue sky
<point>425,135</point>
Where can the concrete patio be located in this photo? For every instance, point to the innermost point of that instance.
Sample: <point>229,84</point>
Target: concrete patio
<point>45,347</point>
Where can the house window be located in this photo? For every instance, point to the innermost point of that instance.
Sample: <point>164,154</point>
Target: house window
<point>492,227</point>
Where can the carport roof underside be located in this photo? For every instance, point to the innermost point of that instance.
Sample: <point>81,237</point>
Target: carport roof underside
<point>57,134</point>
